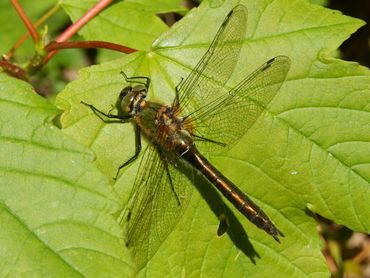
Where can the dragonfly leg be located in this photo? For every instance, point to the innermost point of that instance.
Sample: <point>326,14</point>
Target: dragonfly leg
<point>178,85</point>
<point>177,98</point>
<point>170,180</point>
<point>100,114</point>
<point>208,140</point>
<point>134,79</point>
<point>137,151</point>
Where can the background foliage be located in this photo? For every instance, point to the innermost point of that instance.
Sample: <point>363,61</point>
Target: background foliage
<point>309,153</point>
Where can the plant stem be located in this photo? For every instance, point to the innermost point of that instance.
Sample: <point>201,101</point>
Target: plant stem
<point>74,28</point>
<point>13,70</point>
<point>48,14</point>
<point>89,44</point>
<point>27,22</point>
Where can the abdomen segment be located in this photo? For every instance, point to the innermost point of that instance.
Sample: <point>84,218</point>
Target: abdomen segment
<point>240,200</point>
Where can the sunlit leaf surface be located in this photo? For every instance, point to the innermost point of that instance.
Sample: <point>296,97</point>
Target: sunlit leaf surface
<point>295,158</point>
<point>308,151</point>
<point>55,207</point>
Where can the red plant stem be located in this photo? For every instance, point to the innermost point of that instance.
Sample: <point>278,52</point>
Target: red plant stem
<point>13,70</point>
<point>31,29</point>
<point>74,28</point>
<point>48,14</point>
<point>89,44</point>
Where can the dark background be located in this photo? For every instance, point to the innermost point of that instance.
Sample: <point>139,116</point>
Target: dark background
<point>356,48</point>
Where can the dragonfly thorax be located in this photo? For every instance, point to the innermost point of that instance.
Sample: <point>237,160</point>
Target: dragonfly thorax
<point>131,99</point>
<point>171,131</point>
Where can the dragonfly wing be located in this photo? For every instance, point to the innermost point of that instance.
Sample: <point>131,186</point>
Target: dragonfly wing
<point>206,81</point>
<point>229,117</point>
<point>153,208</point>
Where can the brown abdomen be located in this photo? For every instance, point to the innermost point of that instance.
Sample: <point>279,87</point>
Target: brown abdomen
<point>241,201</point>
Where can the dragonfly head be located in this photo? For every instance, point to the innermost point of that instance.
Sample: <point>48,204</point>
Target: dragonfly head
<point>130,99</point>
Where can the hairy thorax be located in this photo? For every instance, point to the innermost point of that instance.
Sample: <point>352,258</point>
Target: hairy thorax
<point>164,128</point>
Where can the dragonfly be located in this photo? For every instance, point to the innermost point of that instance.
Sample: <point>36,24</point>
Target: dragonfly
<point>204,118</point>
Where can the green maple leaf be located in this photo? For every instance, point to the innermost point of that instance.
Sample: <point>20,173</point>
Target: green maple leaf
<point>132,23</point>
<point>55,206</point>
<point>308,150</point>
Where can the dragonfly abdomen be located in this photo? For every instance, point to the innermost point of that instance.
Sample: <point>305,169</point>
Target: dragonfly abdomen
<point>240,200</point>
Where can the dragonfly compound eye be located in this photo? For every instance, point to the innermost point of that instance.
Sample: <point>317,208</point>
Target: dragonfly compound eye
<point>124,92</point>
<point>124,100</point>
<point>130,99</point>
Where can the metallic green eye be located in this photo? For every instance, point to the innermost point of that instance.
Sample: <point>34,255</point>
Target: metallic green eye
<point>130,98</point>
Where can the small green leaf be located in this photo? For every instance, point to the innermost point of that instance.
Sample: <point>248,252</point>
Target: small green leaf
<point>130,23</point>
<point>12,28</point>
<point>309,150</point>
<point>56,209</point>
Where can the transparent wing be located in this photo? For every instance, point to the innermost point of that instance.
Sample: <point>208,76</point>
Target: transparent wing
<point>207,79</point>
<point>228,118</point>
<point>153,208</point>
